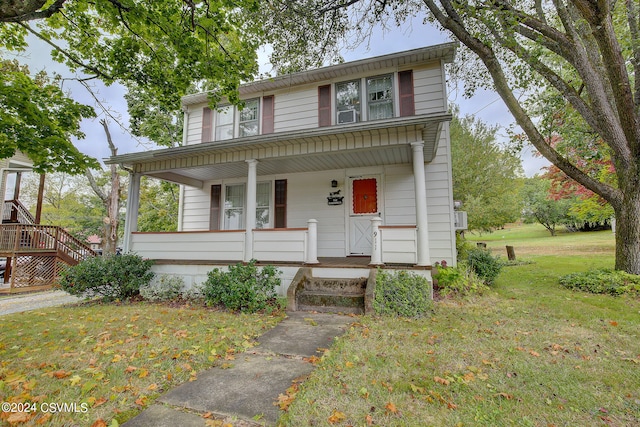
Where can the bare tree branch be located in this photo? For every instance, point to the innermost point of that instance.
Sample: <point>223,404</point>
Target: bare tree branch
<point>28,10</point>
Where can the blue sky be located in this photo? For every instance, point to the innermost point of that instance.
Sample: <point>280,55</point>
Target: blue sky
<point>485,105</point>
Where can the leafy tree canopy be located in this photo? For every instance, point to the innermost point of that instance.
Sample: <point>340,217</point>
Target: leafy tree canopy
<point>486,176</point>
<point>158,48</point>
<point>38,119</point>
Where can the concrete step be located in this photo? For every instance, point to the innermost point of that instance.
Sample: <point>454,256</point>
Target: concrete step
<point>328,301</point>
<point>331,295</point>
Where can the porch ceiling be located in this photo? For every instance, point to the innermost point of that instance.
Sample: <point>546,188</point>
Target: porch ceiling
<point>376,143</point>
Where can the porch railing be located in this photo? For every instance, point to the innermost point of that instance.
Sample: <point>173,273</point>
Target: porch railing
<point>277,245</point>
<point>16,212</point>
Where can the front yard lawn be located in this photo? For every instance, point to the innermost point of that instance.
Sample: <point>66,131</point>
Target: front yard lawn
<point>528,353</point>
<point>110,361</point>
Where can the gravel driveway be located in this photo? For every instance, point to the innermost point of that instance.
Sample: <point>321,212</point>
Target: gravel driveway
<point>18,303</point>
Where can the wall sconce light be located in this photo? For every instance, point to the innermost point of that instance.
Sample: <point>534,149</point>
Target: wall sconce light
<point>334,183</point>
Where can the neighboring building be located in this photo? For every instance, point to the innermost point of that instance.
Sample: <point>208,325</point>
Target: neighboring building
<point>95,242</point>
<point>346,162</point>
<point>31,255</point>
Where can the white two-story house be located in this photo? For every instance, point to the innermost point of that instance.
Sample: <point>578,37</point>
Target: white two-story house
<point>338,166</point>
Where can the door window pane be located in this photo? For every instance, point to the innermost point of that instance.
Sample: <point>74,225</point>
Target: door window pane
<point>380,97</point>
<point>365,196</point>
<point>234,207</point>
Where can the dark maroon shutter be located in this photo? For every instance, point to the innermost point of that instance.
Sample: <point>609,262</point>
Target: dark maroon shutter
<point>324,105</point>
<point>281,204</point>
<point>207,124</point>
<point>267,114</point>
<point>407,104</point>
<point>214,213</point>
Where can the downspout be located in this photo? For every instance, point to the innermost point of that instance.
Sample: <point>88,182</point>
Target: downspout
<point>185,127</point>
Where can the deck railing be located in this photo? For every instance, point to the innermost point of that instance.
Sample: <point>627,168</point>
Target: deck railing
<point>24,238</point>
<point>16,212</point>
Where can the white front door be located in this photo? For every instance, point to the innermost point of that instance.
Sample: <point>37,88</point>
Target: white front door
<point>365,203</point>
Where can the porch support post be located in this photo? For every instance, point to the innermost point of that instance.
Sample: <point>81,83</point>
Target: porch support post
<point>376,239</point>
<point>251,208</point>
<point>312,242</point>
<point>423,258</point>
<point>133,206</point>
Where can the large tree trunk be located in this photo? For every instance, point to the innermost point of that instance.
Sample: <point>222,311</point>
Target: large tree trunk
<point>628,232</point>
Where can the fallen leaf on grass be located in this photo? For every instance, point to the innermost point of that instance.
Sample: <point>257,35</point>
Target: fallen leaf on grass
<point>534,353</point>
<point>130,369</point>
<point>369,420</point>
<point>99,423</point>
<point>504,396</point>
<point>441,381</point>
<point>61,374</point>
<point>391,408</point>
<point>284,401</point>
<point>336,417</point>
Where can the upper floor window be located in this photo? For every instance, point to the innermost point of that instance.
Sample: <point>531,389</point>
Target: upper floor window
<point>249,118</point>
<point>224,123</point>
<point>378,100</point>
<point>380,97</point>
<point>348,102</point>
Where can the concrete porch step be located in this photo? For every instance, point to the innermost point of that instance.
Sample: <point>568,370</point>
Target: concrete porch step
<point>328,301</point>
<point>327,294</point>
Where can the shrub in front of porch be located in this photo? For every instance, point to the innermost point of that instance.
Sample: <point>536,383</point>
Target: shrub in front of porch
<point>242,287</point>
<point>402,294</point>
<point>112,277</point>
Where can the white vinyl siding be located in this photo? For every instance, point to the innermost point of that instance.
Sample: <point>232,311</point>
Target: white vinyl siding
<point>295,110</point>
<point>429,90</point>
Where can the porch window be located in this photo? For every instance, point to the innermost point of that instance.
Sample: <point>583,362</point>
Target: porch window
<point>249,118</point>
<point>234,199</point>
<point>224,123</point>
<point>263,197</point>
<point>348,102</point>
<point>380,97</point>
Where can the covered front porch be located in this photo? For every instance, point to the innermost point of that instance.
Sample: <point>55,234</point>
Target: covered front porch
<point>302,231</point>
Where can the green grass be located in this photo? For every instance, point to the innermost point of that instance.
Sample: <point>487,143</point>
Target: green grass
<point>115,359</point>
<point>528,353</point>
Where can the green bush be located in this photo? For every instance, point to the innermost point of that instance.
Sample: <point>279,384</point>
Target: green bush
<point>603,281</point>
<point>166,288</point>
<point>243,287</point>
<point>110,277</point>
<point>458,281</point>
<point>484,265</point>
<point>402,294</point>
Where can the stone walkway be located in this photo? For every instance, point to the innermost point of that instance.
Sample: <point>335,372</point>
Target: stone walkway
<point>26,302</point>
<point>244,394</point>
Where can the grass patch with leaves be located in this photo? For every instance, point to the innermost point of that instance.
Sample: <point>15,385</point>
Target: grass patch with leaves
<point>115,359</point>
<point>528,353</point>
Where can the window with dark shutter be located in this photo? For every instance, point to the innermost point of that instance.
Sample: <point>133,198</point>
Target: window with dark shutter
<point>280,208</point>
<point>214,211</point>
<point>324,105</point>
<point>267,114</point>
<point>407,104</point>
<point>207,124</point>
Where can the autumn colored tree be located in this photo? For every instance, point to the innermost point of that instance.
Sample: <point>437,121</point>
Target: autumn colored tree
<point>586,52</point>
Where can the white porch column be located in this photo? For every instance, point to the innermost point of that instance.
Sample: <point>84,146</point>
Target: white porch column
<point>133,206</point>
<point>376,238</point>
<point>250,213</point>
<point>422,228</point>
<point>312,242</point>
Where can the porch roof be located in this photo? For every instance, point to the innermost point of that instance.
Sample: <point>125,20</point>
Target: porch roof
<point>372,143</point>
